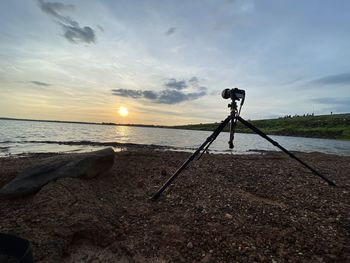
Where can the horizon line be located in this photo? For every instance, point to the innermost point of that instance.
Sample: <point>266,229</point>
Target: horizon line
<point>134,124</point>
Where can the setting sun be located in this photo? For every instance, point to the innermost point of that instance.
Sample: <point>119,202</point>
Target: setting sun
<point>123,111</point>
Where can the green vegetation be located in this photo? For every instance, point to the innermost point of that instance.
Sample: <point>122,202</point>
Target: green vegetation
<point>336,126</point>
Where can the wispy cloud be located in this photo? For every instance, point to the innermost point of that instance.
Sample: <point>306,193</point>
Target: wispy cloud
<point>39,83</point>
<point>135,94</point>
<point>53,8</point>
<point>174,92</point>
<point>170,31</point>
<point>343,78</point>
<point>101,28</point>
<point>73,32</point>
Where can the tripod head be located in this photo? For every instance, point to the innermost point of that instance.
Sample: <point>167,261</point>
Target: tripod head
<point>235,95</point>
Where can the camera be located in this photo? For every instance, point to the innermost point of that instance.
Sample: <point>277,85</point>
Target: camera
<point>234,94</point>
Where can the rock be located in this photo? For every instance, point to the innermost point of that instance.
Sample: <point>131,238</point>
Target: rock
<point>189,245</point>
<point>50,169</point>
<point>228,216</point>
<point>206,258</point>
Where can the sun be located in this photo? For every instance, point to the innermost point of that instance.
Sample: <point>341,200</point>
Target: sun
<point>123,111</point>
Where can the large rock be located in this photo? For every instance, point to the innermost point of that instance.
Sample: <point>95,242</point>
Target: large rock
<point>73,165</point>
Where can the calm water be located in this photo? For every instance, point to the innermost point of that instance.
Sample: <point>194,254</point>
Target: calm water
<point>14,137</point>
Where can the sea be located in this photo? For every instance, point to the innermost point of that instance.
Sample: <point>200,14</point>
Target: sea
<point>22,137</point>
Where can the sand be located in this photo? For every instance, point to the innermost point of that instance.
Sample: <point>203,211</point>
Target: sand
<point>223,208</point>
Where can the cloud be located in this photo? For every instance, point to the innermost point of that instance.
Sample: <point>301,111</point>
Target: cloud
<point>193,80</point>
<point>174,84</point>
<point>39,83</point>
<point>172,94</point>
<point>170,31</point>
<point>343,78</point>
<point>76,34</point>
<point>128,93</point>
<point>72,31</point>
<point>151,95</point>
<point>53,8</point>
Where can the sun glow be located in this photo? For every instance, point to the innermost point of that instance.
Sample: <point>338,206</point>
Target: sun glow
<point>123,111</point>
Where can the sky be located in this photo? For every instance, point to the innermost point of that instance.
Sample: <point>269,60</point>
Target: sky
<point>168,61</point>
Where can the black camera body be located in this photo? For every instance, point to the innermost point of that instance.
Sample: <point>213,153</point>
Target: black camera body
<point>234,94</point>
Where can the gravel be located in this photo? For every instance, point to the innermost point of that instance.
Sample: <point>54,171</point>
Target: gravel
<point>223,208</point>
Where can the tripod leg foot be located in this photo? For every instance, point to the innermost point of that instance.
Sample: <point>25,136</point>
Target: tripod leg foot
<point>155,196</point>
<point>230,145</point>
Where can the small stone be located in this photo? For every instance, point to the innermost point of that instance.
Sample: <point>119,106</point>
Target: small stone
<point>206,258</point>
<point>228,216</point>
<point>189,245</point>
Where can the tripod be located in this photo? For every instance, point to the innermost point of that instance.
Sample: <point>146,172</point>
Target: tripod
<point>232,119</point>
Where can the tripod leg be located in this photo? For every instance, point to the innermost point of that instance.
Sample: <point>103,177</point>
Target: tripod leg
<point>206,148</point>
<point>233,124</point>
<point>212,137</point>
<point>210,142</point>
<point>259,132</point>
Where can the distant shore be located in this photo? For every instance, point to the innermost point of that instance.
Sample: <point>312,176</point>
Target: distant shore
<point>334,126</point>
<point>223,208</point>
<point>84,122</point>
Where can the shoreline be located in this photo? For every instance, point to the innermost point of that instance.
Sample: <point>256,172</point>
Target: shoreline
<point>146,147</point>
<point>87,146</point>
<point>258,207</point>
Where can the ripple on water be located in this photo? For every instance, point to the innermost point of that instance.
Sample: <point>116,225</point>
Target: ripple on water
<point>30,136</point>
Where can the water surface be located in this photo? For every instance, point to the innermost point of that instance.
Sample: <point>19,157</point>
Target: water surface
<point>28,136</point>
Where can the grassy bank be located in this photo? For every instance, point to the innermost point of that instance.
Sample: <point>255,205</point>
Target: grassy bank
<point>336,126</point>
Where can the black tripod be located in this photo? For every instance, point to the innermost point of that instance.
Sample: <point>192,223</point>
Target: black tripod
<point>232,119</point>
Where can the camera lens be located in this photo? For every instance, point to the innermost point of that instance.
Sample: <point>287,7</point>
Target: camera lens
<point>226,93</point>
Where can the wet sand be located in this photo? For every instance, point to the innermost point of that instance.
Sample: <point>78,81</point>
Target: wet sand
<point>223,208</point>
